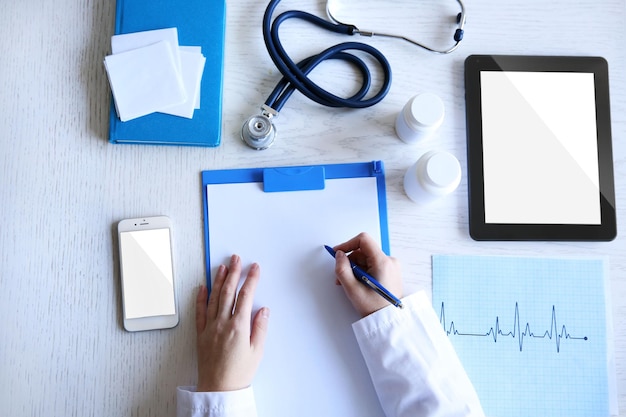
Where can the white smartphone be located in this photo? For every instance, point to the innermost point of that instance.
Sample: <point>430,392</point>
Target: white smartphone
<point>147,273</point>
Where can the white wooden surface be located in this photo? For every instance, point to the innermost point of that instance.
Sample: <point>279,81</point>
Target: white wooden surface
<point>63,351</point>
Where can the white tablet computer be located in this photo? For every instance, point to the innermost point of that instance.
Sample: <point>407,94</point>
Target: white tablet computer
<point>540,164</point>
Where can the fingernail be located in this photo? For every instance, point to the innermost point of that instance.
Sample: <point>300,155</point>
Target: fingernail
<point>254,267</point>
<point>339,254</point>
<point>265,313</point>
<point>234,259</point>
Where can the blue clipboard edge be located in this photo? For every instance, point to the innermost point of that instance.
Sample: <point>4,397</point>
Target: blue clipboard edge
<point>332,171</point>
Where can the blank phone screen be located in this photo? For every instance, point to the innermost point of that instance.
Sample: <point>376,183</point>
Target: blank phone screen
<point>540,148</point>
<point>148,279</point>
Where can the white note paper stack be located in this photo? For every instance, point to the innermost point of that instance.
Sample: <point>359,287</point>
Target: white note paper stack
<point>149,72</point>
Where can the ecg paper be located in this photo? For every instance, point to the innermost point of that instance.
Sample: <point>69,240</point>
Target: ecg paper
<point>531,332</point>
<point>312,365</point>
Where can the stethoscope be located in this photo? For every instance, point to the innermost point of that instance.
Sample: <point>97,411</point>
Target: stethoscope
<point>259,131</point>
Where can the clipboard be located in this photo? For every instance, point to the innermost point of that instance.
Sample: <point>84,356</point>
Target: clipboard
<point>281,217</point>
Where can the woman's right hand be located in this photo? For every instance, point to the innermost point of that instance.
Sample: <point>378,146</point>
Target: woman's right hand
<point>365,252</point>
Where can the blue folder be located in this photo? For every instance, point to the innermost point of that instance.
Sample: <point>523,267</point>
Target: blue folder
<point>297,178</point>
<point>199,23</point>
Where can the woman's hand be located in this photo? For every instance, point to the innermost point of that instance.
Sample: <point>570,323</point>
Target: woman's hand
<point>365,252</point>
<point>229,342</point>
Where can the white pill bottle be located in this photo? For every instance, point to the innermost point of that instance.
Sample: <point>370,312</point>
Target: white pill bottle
<point>420,117</point>
<point>434,175</point>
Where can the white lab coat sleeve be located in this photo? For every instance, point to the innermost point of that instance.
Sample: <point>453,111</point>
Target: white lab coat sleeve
<point>190,403</point>
<point>413,366</point>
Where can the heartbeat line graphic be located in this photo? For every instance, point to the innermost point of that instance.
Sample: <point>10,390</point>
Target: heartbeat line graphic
<point>496,332</point>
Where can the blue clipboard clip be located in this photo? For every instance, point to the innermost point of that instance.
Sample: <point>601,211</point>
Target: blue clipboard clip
<point>304,178</point>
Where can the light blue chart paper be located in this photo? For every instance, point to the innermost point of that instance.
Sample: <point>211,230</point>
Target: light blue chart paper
<point>531,332</point>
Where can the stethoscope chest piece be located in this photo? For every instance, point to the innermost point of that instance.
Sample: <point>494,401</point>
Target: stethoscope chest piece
<point>258,132</point>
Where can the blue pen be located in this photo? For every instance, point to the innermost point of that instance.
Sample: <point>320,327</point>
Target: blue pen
<point>370,281</point>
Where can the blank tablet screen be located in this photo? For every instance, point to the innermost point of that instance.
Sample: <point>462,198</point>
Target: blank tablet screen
<point>534,150</point>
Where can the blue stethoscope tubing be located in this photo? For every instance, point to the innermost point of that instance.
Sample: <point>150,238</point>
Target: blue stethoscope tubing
<point>295,75</point>
<point>259,132</point>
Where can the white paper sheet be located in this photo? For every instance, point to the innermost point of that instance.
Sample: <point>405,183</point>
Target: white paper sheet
<point>189,63</point>
<point>197,50</point>
<point>129,41</point>
<point>312,365</point>
<point>144,80</point>
<point>192,67</point>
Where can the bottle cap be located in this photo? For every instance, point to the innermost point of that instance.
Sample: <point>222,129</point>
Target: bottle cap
<point>442,171</point>
<point>419,117</point>
<point>424,112</point>
<point>434,175</point>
